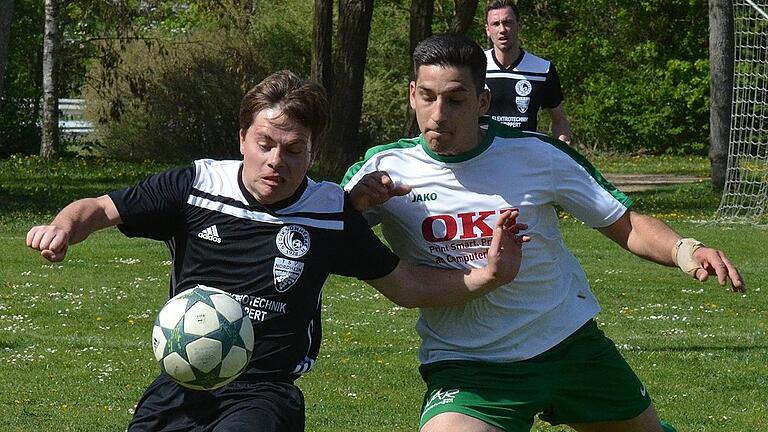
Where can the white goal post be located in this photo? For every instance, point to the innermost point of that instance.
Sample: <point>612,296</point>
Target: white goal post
<point>745,196</point>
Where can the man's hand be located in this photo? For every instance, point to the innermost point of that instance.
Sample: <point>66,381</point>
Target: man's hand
<point>50,240</point>
<point>73,224</point>
<point>375,188</point>
<point>714,262</point>
<point>506,251</point>
<point>411,285</point>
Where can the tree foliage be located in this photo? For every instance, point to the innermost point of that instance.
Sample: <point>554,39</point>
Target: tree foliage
<point>6,17</point>
<point>635,73</point>
<point>174,92</point>
<point>20,105</point>
<point>164,78</point>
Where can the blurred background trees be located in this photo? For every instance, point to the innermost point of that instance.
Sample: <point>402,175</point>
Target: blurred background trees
<point>163,79</point>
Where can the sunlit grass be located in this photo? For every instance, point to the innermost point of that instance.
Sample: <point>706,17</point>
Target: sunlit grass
<point>643,164</point>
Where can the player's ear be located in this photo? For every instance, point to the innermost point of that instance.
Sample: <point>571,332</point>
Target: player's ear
<point>483,102</point>
<point>412,94</point>
<point>242,141</point>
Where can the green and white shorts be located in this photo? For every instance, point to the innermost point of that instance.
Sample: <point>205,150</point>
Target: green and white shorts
<point>582,379</point>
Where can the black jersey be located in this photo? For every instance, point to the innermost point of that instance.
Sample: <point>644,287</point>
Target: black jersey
<point>274,259</point>
<point>519,91</point>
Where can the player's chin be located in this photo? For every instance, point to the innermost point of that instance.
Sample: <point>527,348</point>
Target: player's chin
<point>437,144</point>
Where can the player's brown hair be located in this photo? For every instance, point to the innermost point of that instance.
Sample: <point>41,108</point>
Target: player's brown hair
<point>302,101</point>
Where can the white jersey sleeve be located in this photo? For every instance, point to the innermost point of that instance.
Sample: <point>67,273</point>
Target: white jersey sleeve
<point>583,192</point>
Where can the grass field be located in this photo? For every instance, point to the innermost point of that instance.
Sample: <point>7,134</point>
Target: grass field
<point>75,337</point>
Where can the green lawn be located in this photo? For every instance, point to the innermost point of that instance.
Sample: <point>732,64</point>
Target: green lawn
<point>75,348</point>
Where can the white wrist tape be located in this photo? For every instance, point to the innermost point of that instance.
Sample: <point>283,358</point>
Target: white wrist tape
<point>682,254</point>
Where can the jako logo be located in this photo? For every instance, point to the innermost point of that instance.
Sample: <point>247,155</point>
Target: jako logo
<point>424,197</point>
<point>448,226</point>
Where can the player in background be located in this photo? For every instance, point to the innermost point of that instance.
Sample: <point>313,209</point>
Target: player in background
<point>263,231</point>
<point>520,82</point>
<point>531,347</point>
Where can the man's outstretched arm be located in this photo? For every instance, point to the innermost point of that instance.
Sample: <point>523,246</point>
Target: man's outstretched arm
<point>652,239</point>
<point>73,224</point>
<point>421,286</point>
<point>375,188</point>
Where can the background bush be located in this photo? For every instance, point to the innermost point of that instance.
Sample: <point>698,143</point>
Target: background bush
<point>635,73</point>
<point>177,93</point>
<point>20,103</point>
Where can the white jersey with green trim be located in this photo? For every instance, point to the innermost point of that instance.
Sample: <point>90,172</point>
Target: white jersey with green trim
<point>447,221</point>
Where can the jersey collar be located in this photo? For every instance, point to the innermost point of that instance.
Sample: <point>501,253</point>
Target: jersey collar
<point>478,149</point>
<point>271,208</point>
<point>514,63</point>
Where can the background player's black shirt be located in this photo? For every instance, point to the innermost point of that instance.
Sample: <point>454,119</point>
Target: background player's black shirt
<point>273,259</point>
<point>519,91</point>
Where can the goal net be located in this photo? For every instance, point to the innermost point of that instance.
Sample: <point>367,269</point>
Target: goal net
<point>745,197</point>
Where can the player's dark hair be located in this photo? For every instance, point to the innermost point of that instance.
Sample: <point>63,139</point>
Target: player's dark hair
<point>302,101</point>
<point>451,50</point>
<point>501,4</point>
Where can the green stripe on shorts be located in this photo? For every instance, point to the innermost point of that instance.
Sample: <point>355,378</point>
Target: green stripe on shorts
<point>582,379</point>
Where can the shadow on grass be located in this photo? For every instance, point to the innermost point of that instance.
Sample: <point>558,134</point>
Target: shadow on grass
<point>30,185</point>
<point>11,344</point>
<point>684,198</point>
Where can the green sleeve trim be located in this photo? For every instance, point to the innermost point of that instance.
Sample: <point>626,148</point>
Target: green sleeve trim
<point>498,129</point>
<point>403,143</point>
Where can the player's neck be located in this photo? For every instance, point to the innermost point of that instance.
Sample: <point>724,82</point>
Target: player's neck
<point>509,57</point>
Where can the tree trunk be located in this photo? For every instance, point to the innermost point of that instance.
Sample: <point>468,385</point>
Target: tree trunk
<point>322,49</point>
<point>463,15</point>
<point>422,12</point>
<point>49,146</point>
<point>721,46</point>
<point>6,17</point>
<point>347,94</point>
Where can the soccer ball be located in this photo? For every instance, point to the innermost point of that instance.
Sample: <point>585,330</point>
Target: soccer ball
<point>202,338</point>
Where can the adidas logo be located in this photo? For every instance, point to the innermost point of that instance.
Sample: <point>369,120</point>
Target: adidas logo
<point>210,233</point>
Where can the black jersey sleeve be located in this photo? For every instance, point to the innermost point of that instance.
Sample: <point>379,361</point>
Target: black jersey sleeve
<point>554,91</point>
<point>153,208</point>
<point>361,253</point>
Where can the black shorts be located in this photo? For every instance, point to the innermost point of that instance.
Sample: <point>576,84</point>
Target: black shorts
<point>269,406</point>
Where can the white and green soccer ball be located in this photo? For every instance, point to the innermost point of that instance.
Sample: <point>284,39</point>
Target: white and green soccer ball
<point>202,338</point>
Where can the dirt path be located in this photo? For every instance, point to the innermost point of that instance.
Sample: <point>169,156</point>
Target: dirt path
<point>641,182</point>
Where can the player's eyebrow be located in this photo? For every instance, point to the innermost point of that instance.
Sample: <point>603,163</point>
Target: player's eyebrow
<point>456,88</point>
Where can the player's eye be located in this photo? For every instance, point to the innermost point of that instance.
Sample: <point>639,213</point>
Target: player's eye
<point>428,97</point>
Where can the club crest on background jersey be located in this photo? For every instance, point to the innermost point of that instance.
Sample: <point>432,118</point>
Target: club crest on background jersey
<point>285,273</point>
<point>293,241</point>
<point>522,104</point>
<point>523,87</point>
